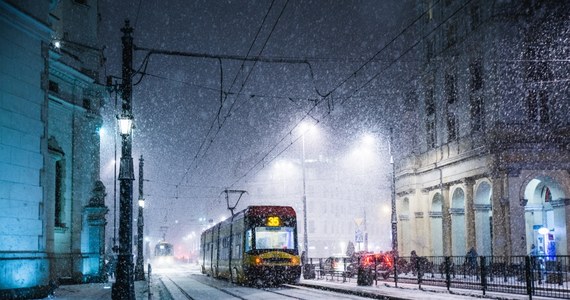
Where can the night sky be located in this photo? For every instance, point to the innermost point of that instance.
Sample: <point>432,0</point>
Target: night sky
<point>193,147</point>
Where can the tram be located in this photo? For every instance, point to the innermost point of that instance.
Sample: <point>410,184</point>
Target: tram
<point>163,254</point>
<point>256,246</point>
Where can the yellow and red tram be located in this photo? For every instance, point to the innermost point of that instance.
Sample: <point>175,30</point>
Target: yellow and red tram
<point>257,245</point>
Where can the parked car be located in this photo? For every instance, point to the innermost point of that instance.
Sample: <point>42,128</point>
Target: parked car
<point>378,264</point>
<point>338,265</point>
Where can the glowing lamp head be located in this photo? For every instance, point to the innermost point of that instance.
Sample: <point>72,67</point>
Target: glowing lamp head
<point>141,203</point>
<point>125,124</point>
<point>543,230</point>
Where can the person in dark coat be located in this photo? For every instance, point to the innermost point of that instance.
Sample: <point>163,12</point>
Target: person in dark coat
<point>471,259</point>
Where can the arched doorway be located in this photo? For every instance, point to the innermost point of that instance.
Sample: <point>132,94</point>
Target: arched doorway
<point>545,216</point>
<point>436,225</point>
<point>458,243</point>
<point>483,218</point>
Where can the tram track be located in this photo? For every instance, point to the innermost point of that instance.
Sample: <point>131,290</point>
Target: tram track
<point>223,290</point>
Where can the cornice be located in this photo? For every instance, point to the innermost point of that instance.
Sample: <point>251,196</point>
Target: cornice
<point>24,22</point>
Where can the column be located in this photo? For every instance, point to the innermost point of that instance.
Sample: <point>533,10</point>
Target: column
<point>470,214</point>
<point>446,221</point>
<point>500,237</point>
<point>516,211</point>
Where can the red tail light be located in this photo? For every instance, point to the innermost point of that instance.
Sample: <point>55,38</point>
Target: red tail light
<point>388,260</point>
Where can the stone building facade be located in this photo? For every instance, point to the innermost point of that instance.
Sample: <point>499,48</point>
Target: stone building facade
<point>489,165</point>
<point>52,212</point>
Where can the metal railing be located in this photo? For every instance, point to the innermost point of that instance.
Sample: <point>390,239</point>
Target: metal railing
<point>545,276</point>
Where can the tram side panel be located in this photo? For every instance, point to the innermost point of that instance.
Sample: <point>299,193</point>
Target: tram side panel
<point>206,251</point>
<point>237,259</point>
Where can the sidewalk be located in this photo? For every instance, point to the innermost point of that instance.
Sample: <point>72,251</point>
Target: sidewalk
<point>95,291</point>
<point>102,291</point>
<point>407,291</point>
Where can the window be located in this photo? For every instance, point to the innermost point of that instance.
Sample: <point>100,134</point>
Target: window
<point>451,127</point>
<point>537,71</point>
<point>450,88</point>
<point>86,103</point>
<point>476,109</point>
<point>537,106</point>
<point>274,238</point>
<point>451,34</point>
<point>429,50</point>
<point>430,132</point>
<point>248,240</point>
<point>476,71</point>
<point>59,177</point>
<point>430,101</point>
<point>429,14</point>
<point>475,16</point>
<point>53,86</point>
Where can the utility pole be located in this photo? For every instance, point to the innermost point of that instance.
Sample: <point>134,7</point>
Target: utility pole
<point>394,217</point>
<point>139,267</point>
<point>124,287</point>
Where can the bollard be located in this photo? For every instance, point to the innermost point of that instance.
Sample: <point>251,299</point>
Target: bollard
<point>149,272</point>
<point>447,272</point>
<point>483,265</point>
<point>529,272</point>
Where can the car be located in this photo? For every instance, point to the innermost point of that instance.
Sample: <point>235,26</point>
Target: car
<point>338,265</point>
<point>379,264</point>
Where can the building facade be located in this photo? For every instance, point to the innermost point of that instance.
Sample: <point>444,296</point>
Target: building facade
<point>51,201</point>
<point>489,165</point>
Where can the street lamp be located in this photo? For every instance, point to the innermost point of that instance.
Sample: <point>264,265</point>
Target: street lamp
<point>304,129</point>
<point>124,287</point>
<point>394,217</point>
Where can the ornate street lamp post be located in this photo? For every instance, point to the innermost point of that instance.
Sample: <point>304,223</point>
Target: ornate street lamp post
<point>124,287</point>
<point>139,267</point>
<point>305,237</point>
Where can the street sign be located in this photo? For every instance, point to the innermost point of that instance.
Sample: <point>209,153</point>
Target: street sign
<point>358,236</point>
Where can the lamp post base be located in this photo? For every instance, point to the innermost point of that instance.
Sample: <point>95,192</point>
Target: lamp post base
<point>139,272</point>
<point>124,287</point>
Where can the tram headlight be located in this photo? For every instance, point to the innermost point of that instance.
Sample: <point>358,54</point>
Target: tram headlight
<point>294,260</point>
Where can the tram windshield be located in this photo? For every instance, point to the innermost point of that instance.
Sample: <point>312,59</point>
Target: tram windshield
<point>274,238</point>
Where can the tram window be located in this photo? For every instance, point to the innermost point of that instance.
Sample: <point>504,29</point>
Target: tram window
<point>274,238</point>
<point>248,240</point>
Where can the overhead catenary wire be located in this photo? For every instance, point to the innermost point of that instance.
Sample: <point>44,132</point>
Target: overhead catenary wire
<point>244,82</point>
<point>353,74</point>
<point>262,160</point>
